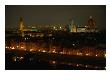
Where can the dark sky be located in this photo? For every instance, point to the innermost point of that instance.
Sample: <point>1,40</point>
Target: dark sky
<point>54,14</point>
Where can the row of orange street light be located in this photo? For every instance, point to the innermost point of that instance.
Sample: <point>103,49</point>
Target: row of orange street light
<point>85,52</point>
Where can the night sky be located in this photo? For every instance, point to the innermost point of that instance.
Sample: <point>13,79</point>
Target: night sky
<point>54,14</point>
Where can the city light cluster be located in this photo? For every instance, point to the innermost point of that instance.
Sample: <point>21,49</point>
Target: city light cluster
<point>32,47</point>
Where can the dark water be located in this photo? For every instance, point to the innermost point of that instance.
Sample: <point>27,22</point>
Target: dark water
<point>45,61</point>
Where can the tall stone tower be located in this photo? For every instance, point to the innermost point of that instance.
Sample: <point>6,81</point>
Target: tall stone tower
<point>21,24</point>
<point>72,26</point>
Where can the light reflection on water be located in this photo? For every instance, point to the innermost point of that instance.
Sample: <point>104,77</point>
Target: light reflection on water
<point>55,64</point>
<point>52,59</point>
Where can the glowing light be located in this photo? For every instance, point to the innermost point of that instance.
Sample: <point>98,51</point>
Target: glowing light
<point>73,44</point>
<point>17,46</point>
<point>87,54</point>
<point>96,55</point>
<point>14,59</point>
<point>77,65</point>
<point>54,51</point>
<point>61,52</point>
<point>39,50</point>
<point>21,58</point>
<point>13,48</point>
<point>26,38</point>
<point>6,47</point>
<point>50,35</point>
<point>54,27</point>
<point>79,53</point>
<point>31,49</point>
<point>53,62</point>
<point>43,51</point>
<point>86,66</point>
<point>33,27</point>
<point>22,47</point>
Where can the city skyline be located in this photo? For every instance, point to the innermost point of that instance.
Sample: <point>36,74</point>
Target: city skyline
<point>54,14</point>
<point>58,37</point>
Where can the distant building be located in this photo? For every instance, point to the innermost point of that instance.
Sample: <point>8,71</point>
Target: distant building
<point>90,27</point>
<point>72,26</point>
<point>38,29</point>
<point>91,23</point>
<point>81,29</point>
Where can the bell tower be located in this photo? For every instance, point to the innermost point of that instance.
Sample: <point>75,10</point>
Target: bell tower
<point>21,24</point>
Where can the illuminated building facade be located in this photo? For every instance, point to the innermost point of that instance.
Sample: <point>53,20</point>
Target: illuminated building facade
<point>72,27</point>
<point>90,27</point>
<point>39,29</point>
<point>26,31</point>
<point>81,29</point>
